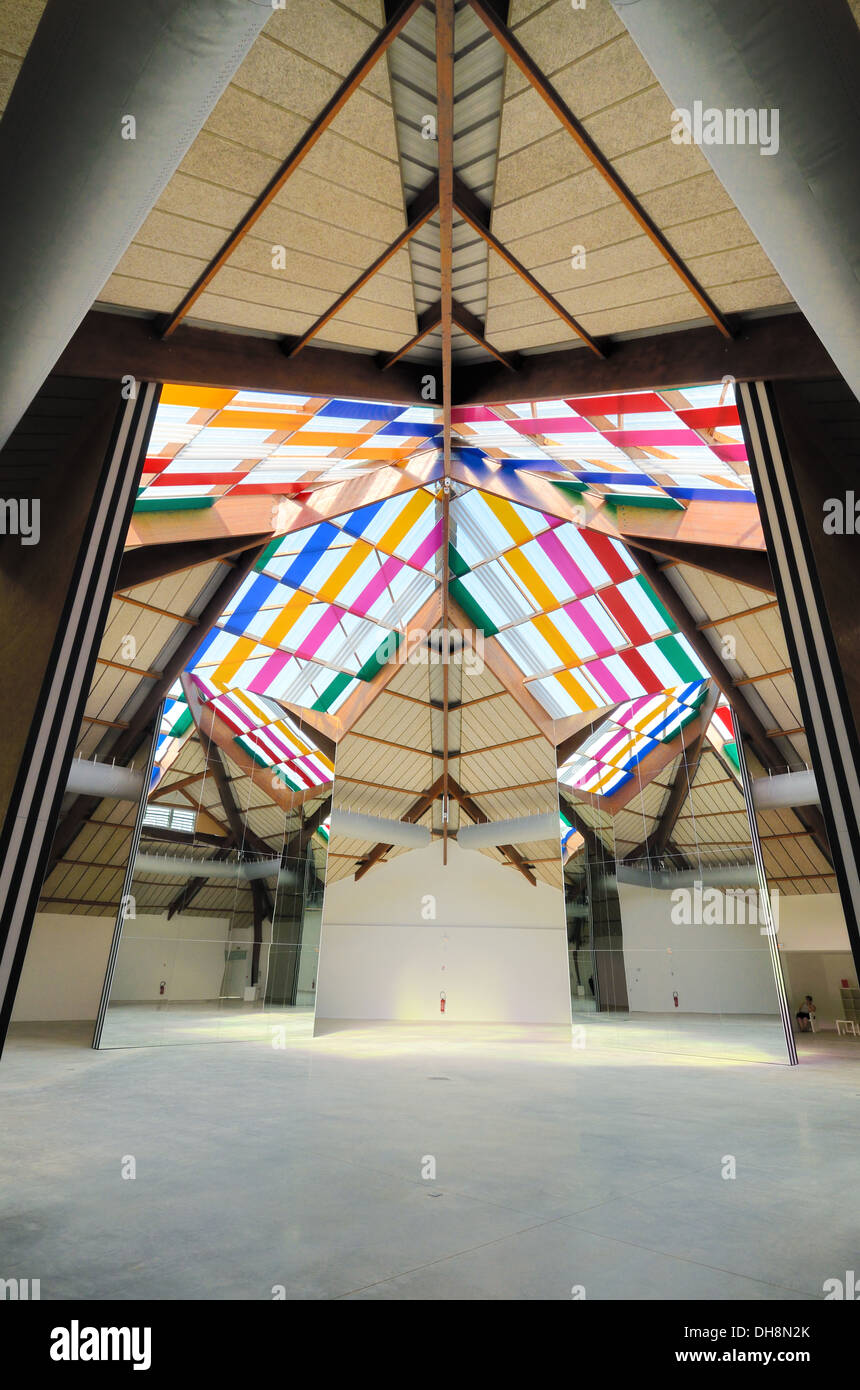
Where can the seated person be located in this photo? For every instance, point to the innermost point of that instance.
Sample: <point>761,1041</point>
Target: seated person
<point>805,1015</point>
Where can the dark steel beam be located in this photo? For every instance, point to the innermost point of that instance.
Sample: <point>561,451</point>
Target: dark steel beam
<point>778,347</point>
<point>750,567</point>
<point>147,563</point>
<point>233,361</point>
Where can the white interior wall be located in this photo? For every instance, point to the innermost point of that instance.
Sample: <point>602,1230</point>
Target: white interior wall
<point>819,973</point>
<point>187,953</point>
<point>815,953</point>
<point>714,969</point>
<point>64,968</point>
<point>412,928</point>
<point>812,922</point>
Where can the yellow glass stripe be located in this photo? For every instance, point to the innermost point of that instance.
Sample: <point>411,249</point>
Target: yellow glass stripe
<point>342,573</point>
<point>661,709</point>
<point>575,690</point>
<point>239,653</point>
<point>562,648</point>
<point>607,777</point>
<point>620,752</point>
<point>504,512</point>
<point>288,733</point>
<point>412,512</point>
<point>289,614</point>
<point>528,575</point>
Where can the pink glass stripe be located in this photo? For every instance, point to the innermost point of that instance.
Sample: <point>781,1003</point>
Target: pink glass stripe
<point>605,678</point>
<point>553,424</point>
<point>579,615</point>
<point>370,593</point>
<point>464,413</point>
<point>729,453</point>
<point>555,551</point>
<point>428,547</point>
<point>272,669</point>
<point>319,632</point>
<point>663,439</point>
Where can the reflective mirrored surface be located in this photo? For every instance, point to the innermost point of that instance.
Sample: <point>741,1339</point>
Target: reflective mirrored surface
<point>669,936</point>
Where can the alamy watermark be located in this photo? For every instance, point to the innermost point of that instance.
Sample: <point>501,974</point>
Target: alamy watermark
<point>20,516</point>
<point>708,125</point>
<point>726,907</point>
<point>436,648</point>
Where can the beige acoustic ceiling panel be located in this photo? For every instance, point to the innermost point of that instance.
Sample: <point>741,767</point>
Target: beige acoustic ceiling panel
<point>550,201</point>
<point>18,22</point>
<point>333,217</point>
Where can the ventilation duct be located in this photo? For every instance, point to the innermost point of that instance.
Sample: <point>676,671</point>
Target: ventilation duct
<point>712,876</point>
<point>88,778</point>
<point>520,831</point>
<point>788,789</point>
<point>174,866</point>
<point>357,826</point>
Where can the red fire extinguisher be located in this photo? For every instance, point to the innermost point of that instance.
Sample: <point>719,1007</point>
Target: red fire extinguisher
<point>162,987</point>
<point>442,997</point>
<point>675,997</point>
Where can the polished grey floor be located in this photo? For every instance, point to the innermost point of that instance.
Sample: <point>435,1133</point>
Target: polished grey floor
<point>305,1169</point>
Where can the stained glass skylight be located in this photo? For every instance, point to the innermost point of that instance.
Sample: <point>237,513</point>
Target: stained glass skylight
<point>328,604</point>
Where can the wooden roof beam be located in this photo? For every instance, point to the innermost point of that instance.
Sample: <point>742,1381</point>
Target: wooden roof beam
<point>418,809</point>
<point>758,738</point>
<point>474,812</point>
<point>562,112</point>
<point>477,214</point>
<point>424,206</point>
<point>471,324</point>
<point>428,321</point>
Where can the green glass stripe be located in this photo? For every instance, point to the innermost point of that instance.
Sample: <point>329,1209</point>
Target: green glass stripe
<point>652,598</point>
<point>471,608</point>
<point>174,504</point>
<point>569,485</point>
<point>637,499</point>
<point>456,563</point>
<point>252,750</point>
<point>183,723</point>
<point>331,692</point>
<point>385,652</point>
<point>731,752</point>
<point>267,554</point>
<point>674,652</point>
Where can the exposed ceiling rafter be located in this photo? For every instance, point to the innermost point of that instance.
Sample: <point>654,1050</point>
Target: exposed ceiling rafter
<point>333,106</point>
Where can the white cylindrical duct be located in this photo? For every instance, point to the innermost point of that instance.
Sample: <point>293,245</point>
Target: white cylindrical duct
<point>787,789</point>
<point>88,778</point>
<point>709,876</point>
<point>521,830</point>
<point>175,866</point>
<point>357,826</point>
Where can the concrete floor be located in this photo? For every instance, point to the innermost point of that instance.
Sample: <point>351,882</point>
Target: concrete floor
<point>301,1166</point>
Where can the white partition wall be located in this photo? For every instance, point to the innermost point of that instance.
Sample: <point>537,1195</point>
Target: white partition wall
<point>477,931</point>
